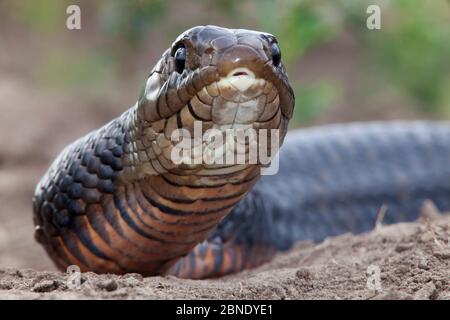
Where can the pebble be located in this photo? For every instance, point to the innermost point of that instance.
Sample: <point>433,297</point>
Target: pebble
<point>45,286</point>
<point>136,276</point>
<point>423,264</point>
<point>304,274</point>
<point>425,292</point>
<point>403,247</point>
<point>6,285</point>
<point>108,285</point>
<point>426,237</point>
<point>442,254</point>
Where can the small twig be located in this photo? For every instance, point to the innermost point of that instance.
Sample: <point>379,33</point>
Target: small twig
<point>241,287</point>
<point>380,216</point>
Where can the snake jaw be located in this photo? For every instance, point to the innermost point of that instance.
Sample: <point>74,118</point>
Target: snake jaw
<point>235,106</point>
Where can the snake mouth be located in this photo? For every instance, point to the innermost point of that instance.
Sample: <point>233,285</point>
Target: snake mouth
<point>241,79</point>
<point>241,99</point>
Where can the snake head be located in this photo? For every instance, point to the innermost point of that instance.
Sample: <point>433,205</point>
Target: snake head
<point>223,78</point>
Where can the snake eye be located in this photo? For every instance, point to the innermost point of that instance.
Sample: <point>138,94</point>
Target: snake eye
<point>276,54</point>
<point>180,59</point>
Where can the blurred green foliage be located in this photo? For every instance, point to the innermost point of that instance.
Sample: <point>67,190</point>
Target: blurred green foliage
<point>84,70</point>
<point>410,53</point>
<point>130,20</point>
<point>415,52</point>
<point>42,16</point>
<point>313,100</point>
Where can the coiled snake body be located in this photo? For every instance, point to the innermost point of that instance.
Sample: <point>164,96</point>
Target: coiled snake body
<point>115,200</point>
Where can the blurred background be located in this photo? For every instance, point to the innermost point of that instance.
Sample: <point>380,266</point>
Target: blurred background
<point>57,84</point>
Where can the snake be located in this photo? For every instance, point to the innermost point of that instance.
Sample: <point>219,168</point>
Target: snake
<point>117,201</point>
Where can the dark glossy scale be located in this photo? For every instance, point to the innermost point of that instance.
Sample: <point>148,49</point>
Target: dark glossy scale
<point>88,175</point>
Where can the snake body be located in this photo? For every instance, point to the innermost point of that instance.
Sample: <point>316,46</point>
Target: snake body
<point>115,200</point>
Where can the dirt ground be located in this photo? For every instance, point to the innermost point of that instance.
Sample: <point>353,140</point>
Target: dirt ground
<point>413,260</point>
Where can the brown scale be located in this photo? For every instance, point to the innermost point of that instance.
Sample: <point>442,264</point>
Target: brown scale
<point>208,260</point>
<point>116,202</point>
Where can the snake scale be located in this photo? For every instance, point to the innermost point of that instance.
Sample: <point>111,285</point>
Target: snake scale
<point>114,201</point>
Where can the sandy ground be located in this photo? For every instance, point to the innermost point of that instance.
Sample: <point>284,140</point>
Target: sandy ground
<point>413,260</point>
